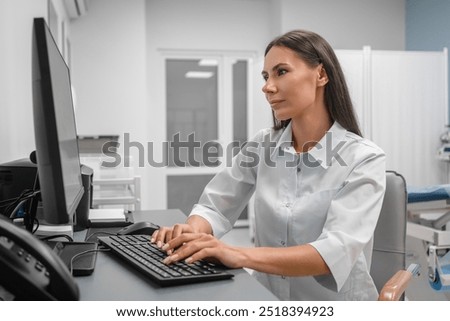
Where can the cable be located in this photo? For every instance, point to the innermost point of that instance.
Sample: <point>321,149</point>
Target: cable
<point>13,202</point>
<point>15,205</point>
<point>37,225</point>
<point>49,237</point>
<point>4,202</point>
<point>18,206</point>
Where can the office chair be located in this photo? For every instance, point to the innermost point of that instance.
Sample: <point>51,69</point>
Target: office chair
<point>389,248</point>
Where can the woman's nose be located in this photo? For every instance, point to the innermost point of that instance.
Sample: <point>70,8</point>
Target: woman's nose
<point>268,87</point>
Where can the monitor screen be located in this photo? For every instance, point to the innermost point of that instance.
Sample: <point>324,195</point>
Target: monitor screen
<point>55,131</point>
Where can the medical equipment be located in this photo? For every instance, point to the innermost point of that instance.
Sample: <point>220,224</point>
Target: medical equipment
<point>429,220</point>
<point>439,268</point>
<point>444,150</point>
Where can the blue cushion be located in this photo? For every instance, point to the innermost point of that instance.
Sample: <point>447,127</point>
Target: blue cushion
<point>428,193</point>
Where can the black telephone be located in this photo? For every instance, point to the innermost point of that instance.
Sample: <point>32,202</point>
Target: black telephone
<point>30,270</point>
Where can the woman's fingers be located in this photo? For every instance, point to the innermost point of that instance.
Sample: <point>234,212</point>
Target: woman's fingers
<point>181,243</point>
<point>179,229</point>
<point>166,234</point>
<point>189,246</point>
<point>160,236</point>
<point>183,239</point>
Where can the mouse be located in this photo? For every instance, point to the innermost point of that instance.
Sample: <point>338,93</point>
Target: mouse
<point>146,228</point>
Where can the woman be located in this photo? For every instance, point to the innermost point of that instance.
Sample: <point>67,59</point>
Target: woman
<point>318,186</point>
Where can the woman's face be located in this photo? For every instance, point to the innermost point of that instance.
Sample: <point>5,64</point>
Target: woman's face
<point>291,86</point>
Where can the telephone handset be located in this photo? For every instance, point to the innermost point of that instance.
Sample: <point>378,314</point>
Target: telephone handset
<point>30,270</point>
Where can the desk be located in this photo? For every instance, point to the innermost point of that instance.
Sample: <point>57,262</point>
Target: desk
<point>113,280</point>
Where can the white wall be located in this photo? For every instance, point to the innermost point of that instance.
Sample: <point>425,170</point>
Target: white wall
<point>349,24</point>
<point>108,67</point>
<point>108,71</point>
<point>16,117</point>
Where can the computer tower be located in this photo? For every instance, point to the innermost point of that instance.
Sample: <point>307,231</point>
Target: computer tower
<point>16,177</point>
<point>20,175</point>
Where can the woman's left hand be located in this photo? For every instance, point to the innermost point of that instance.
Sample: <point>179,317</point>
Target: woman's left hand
<point>192,247</point>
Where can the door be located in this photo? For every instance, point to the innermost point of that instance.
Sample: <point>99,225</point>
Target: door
<point>207,104</point>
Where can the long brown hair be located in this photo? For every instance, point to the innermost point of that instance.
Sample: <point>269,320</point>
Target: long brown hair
<point>315,50</point>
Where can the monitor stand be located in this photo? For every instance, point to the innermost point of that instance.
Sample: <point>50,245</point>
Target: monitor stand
<point>42,229</point>
<point>47,231</point>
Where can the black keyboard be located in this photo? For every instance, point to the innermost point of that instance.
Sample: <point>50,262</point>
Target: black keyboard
<point>147,258</point>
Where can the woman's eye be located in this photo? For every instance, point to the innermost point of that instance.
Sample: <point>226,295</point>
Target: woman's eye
<point>281,72</point>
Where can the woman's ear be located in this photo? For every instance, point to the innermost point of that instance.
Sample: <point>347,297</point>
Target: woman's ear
<point>322,79</point>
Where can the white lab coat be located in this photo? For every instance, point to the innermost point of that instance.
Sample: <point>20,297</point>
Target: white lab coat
<point>330,197</point>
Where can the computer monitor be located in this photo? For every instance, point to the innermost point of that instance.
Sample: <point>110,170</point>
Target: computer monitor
<point>57,153</point>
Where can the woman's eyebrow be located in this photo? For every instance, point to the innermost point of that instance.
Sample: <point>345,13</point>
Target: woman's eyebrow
<point>275,67</point>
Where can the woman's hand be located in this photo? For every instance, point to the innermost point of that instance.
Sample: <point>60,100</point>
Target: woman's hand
<point>194,224</point>
<point>298,260</point>
<point>192,247</point>
<point>165,234</point>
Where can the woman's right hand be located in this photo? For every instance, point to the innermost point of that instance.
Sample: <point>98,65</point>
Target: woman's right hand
<point>194,224</point>
<point>165,234</point>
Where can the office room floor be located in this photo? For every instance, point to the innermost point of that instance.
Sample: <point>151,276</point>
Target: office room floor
<point>419,288</point>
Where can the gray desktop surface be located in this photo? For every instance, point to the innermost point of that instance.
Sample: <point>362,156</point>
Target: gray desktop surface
<point>114,280</point>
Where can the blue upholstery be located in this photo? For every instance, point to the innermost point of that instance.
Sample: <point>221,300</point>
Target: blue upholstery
<point>428,193</point>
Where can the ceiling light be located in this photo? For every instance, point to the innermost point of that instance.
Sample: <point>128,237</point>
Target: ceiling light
<point>199,74</point>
